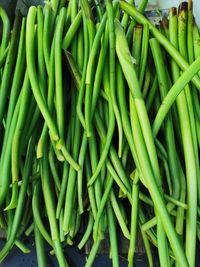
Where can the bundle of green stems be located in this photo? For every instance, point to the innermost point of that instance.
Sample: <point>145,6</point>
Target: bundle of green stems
<point>100,131</point>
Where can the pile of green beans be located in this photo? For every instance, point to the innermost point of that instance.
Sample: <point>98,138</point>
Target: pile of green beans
<point>100,131</point>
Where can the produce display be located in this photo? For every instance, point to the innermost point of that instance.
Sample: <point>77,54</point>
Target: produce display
<point>100,131</point>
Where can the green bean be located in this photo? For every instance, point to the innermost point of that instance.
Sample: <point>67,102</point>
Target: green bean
<point>93,253</point>
<point>141,151</point>
<point>5,31</point>
<point>118,215</point>
<point>35,87</point>
<point>111,28</point>
<point>48,198</point>
<point>53,168</point>
<point>147,80</point>
<point>3,57</point>
<point>124,21</point>
<point>50,101</point>
<point>129,72</point>
<point>152,92</point>
<point>5,161</point>
<point>112,236</point>
<point>72,181</point>
<point>9,65</point>
<point>47,29</point>
<point>16,140</point>
<point>41,61</point>
<point>134,220</point>
<point>147,248</point>
<point>21,201</point>
<point>32,72</point>
<point>82,84</point>
<point>91,193</point>
<point>64,181</point>
<point>105,196</point>
<point>72,31</point>
<point>162,39</point>
<point>196,37</point>
<point>36,213</point>
<point>170,138</point>
<point>110,132</point>
<point>176,89</point>
<point>58,73</point>
<point>144,52</point>
<point>39,243</point>
<point>80,172</point>
<point>136,46</point>
<point>89,74</point>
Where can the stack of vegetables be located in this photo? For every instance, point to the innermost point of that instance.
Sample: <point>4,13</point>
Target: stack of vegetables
<point>100,130</point>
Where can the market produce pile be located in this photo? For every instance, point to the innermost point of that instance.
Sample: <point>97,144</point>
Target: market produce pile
<point>100,130</point>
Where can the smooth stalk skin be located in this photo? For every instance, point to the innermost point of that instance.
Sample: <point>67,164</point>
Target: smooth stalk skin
<point>47,31</point>
<point>35,86</point>
<point>40,251</point>
<point>145,149</point>
<point>9,65</point>
<point>152,92</point>
<point>71,32</point>
<point>162,249</point>
<point>37,214</point>
<point>93,252</point>
<point>71,191</point>
<point>118,214</point>
<point>155,194</point>
<point>162,39</point>
<point>50,208</point>
<point>125,18</point>
<point>109,135</point>
<point>134,222</point>
<point>100,70</point>
<point>112,77</point>
<point>113,236</point>
<point>65,176</point>
<point>124,57</point>
<point>113,154</point>
<point>141,9</point>
<point>144,53</point>
<point>42,77</point>
<point>87,232</point>
<point>54,172</point>
<point>17,81</point>
<point>80,174</point>
<point>21,201</point>
<point>16,142</point>
<point>50,102</point>
<point>196,40</point>
<point>59,102</point>
<point>3,57</point>
<point>82,86</point>
<point>5,161</point>
<point>90,73</point>
<point>146,82</point>
<point>175,90</point>
<point>105,196</point>
<point>169,132</point>
<point>5,31</point>
<point>189,149</point>
<point>30,37</point>
<point>136,46</point>
<point>147,246</point>
<point>91,37</point>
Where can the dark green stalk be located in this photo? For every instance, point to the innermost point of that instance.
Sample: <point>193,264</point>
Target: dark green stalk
<point>10,64</point>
